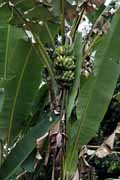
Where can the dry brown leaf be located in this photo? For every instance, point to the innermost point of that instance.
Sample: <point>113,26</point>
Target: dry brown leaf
<point>83,167</point>
<point>55,129</point>
<point>117,131</point>
<point>47,156</point>
<point>107,146</point>
<point>39,144</point>
<point>103,151</point>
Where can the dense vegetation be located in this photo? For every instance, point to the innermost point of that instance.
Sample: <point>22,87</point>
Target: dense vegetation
<point>59,90</point>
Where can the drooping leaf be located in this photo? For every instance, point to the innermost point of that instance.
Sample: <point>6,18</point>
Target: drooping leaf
<point>74,89</point>
<point>24,148</point>
<point>96,92</point>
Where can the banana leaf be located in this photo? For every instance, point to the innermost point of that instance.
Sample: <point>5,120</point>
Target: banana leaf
<point>95,94</point>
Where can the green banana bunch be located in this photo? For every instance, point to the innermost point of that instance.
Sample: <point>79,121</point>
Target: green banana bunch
<point>64,63</point>
<point>66,76</point>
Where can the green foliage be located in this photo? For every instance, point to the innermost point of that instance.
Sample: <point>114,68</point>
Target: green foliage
<point>96,93</point>
<point>20,83</point>
<point>24,75</point>
<point>30,82</point>
<point>24,147</point>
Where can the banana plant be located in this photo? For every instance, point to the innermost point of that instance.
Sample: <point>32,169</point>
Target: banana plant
<point>45,90</point>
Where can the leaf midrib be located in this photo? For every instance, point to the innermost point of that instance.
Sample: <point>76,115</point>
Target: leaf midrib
<point>16,96</point>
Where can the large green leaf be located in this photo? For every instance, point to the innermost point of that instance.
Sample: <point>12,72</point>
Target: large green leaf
<point>23,149</point>
<point>13,70</point>
<point>74,89</point>
<point>96,92</point>
<point>22,70</point>
<point>107,70</point>
<point>24,73</point>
